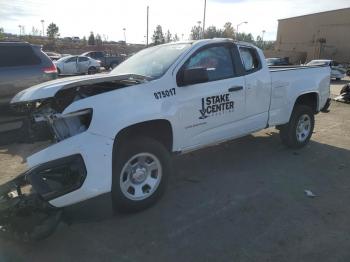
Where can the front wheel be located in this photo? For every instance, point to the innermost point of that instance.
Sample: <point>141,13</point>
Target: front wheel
<point>92,70</point>
<point>141,169</point>
<point>298,131</point>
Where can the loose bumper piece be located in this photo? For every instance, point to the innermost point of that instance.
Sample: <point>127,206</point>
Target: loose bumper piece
<point>25,212</point>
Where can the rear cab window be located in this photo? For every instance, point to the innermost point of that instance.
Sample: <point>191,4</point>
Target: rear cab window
<point>17,55</point>
<point>250,59</point>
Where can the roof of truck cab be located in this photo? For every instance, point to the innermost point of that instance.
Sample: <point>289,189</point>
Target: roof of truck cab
<point>211,41</point>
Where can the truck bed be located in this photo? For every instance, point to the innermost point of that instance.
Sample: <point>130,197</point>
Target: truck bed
<point>291,67</point>
<point>288,82</point>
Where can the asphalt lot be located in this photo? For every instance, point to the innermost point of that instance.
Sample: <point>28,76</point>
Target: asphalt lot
<point>241,201</point>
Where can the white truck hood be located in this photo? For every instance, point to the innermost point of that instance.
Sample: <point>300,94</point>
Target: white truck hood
<point>50,88</point>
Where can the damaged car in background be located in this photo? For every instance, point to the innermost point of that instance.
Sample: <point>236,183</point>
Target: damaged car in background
<point>116,132</point>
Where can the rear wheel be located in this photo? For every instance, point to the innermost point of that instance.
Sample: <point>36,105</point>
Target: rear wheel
<point>298,131</point>
<point>140,173</point>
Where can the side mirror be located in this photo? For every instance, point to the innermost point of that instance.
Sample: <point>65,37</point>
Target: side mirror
<point>193,76</point>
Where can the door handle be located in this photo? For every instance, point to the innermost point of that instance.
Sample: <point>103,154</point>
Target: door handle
<point>235,88</point>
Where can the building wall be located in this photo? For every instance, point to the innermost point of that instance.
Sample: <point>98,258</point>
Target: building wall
<point>322,35</point>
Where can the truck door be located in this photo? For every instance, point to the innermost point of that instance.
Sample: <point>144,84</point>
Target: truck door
<point>258,88</point>
<point>211,111</point>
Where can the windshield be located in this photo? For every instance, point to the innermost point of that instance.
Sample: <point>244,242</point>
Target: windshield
<point>152,62</point>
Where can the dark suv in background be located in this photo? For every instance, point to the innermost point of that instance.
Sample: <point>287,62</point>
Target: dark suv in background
<point>22,65</point>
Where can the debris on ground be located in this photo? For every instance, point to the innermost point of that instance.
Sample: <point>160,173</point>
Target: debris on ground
<point>309,193</point>
<point>344,94</point>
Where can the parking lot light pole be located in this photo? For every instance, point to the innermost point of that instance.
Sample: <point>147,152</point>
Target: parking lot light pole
<point>124,29</point>
<point>42,24</point>
<point>237,27</point>
<point>147,25</point>
<point>205,10</point>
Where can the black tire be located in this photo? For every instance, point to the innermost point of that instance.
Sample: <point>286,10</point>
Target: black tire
<point>58,71</point>
<point>92,70</point>
<point>338,79</point>
<point>126,151</point>
<point>288,132</point>
<point>113,65</point>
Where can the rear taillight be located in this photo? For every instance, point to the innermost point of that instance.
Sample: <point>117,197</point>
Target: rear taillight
<point>51,69</point>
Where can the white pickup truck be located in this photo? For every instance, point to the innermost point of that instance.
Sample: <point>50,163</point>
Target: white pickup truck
<point>116,132</point>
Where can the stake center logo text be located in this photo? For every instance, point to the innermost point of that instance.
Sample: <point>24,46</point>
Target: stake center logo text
<point>216,105</point>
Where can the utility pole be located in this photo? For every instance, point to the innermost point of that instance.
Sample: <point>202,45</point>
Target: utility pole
<point>147,25</point>
<point>199,29</point>
<point>20,30</point>
<point>205,10</point>
<point>42,24</point>
<point>124,29</point>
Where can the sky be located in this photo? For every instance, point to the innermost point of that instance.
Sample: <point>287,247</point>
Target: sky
<point>109,17</point>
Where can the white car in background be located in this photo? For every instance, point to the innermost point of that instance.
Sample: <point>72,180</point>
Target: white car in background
<point>338,72</point>
<point>75,65</point>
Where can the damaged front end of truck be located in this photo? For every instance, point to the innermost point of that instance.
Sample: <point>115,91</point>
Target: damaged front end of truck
<point>26,210</point>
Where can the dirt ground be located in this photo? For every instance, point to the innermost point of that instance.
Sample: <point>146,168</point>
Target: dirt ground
<point>241,201</point>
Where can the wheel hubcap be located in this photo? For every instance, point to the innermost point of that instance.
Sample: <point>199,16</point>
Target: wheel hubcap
<point>140,176</point>
<point>303,128</point>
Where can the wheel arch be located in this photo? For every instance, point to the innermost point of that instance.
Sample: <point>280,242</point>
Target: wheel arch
<point>309,99</point>
<point>158,129</point>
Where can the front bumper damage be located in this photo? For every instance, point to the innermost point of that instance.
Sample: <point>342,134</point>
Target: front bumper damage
<point>25,211</point>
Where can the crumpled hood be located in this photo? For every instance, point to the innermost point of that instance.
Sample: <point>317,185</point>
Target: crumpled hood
<point>50,88</point>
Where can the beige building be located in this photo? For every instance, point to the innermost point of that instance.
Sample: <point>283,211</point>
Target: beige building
<point>322,35</point>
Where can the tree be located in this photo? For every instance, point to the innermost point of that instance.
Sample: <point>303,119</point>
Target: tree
<point>168,37</point>
<point>35,31</point>
<point>259,42</point>
<point>175,38</point>
<point>212,32</point>
<point>196,32</point>
<point>91,40</point>
<point>228,31</point>
<point>158,37</point>
<point>245,37</point>
<point>84,40</point>
<point>98,40</point>
<point>2,33</point>
<point>52,31</point>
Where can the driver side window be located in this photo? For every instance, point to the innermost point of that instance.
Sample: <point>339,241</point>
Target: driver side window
<point>216,60</point>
